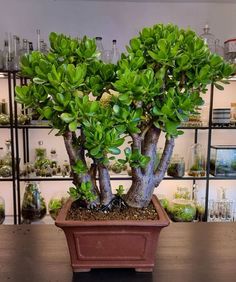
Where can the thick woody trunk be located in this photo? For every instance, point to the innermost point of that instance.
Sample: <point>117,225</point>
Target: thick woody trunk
<point>104,184</point>
<point>144,183</point>
<point>75,153</point>
<point>140,193</point>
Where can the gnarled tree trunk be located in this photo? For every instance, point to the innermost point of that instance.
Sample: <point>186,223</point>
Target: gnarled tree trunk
<point>144,181</point>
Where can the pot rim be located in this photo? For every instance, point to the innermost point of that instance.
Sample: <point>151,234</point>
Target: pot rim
<point>162,221</point>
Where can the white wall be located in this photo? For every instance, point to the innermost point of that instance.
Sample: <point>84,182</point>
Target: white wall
<point>111,19</point>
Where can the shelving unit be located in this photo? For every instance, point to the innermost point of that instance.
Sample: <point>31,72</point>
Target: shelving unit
<point>15,133</point>
<point>10,76</point>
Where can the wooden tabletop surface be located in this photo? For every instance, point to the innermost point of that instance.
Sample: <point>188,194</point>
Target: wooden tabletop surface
<point>187,252</point>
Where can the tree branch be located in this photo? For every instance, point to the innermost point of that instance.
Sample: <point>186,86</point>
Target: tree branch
<point>105,184</point>
<point>165,159</point>
<point>149,147</point>
<point>136,145</point>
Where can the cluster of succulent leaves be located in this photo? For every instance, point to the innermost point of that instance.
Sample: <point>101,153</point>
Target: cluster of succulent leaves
<point>162,76</point>
<point>158,82</point>
<point>83,192</point>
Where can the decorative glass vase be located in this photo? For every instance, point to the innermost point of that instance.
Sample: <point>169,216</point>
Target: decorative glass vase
<point>176,167</point>
<point>197,162</point>
<point>33,205</point>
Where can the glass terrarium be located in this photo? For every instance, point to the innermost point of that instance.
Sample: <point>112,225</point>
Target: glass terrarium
<point>182,210</point>
<point>176,167</point>
<point>6,161</point>
<point>223,160</point>
<point>197,161</point>
<point>33,205</point>
<point>2,210</point>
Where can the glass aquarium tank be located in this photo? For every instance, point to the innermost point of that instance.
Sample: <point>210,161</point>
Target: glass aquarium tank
<point>197,161</point>
<point>223,160</point>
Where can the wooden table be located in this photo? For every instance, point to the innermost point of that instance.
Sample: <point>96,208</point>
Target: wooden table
<point>187,252</point>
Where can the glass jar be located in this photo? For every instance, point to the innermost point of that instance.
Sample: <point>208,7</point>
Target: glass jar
<point>233,112</point>
<point>53,155</point>
<point>6,161</point>
<point>196,162</point>
<point>33,204</point>
<point>208,38</point>
<point>2,210</point>
<point>176,167</point>
<point>181,210</point>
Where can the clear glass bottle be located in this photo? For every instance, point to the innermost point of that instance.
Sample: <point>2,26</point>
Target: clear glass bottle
<point>1,156</point>
<point>2,210</point>
<point>33,204</point>
<point>114,52</point>
<point>196,161</point>
<point>100,48</point>
<point>7,159</point>
<point>16,53</point>
<point>6,55</point>
<point>43,46</point>
<point>38,39</point>
<point>4,107</point>
<point>209,38</point>
<point>40,151</point>
<point>1,62</point>
<point>25,47</point>
<point>66,167</point>
<point>31,47</point>
<point>53,155</point>
<point>218,48</point>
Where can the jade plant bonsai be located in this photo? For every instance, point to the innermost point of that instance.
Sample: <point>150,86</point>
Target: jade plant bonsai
<point>96,107</point>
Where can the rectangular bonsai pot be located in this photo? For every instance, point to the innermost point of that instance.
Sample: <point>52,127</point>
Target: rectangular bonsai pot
<point>112,244</point>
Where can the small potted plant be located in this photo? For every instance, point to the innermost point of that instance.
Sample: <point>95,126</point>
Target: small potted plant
<point>95,107</point>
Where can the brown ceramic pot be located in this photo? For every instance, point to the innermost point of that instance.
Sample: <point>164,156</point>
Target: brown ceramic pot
<point>112,244</point>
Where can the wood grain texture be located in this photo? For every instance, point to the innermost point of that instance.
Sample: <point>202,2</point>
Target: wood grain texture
<point>187,252</point>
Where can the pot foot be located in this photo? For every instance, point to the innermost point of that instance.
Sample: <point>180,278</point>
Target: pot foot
<point>82,270</point>
<point>144,269</point>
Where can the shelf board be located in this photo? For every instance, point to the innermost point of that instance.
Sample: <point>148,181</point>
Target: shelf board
<point>50,178</point>
<point>5,126</point>
<point>34,126</point>
<point>211,177</point>
<point>6,179</point>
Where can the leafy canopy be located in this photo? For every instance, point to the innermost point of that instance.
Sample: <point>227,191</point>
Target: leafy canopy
<point>161,77</point>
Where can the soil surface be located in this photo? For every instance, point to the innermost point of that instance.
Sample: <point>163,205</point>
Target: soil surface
<point>126,213</point>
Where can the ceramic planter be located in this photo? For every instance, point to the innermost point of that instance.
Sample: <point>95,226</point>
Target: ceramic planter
<point>112,244</point>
